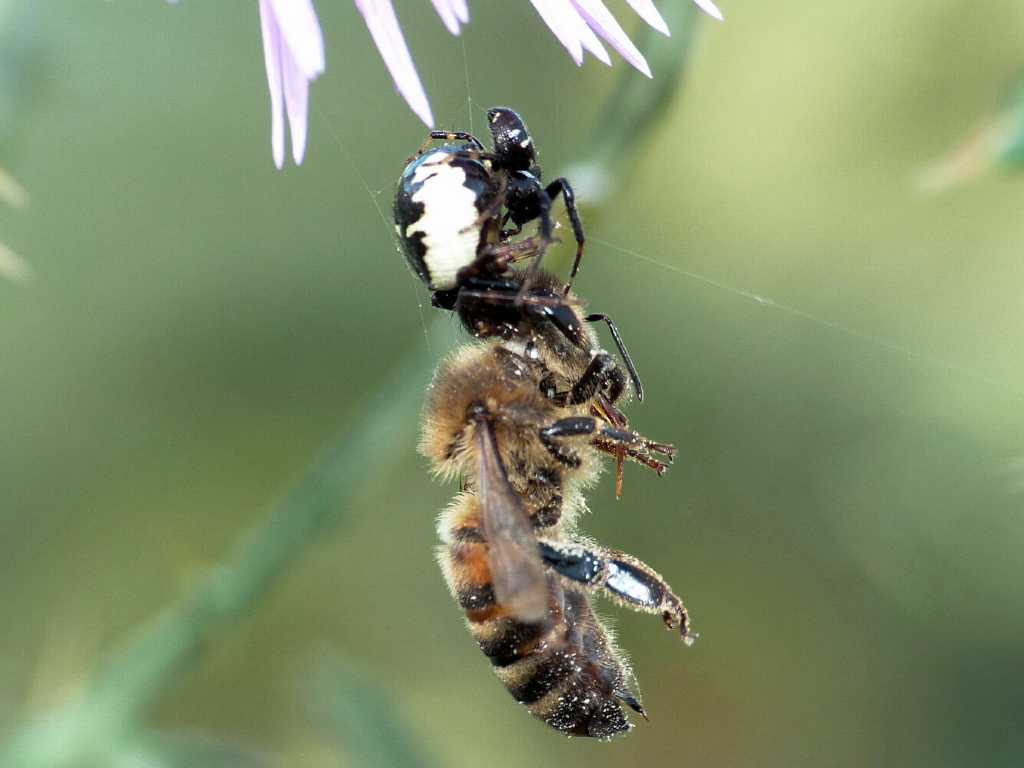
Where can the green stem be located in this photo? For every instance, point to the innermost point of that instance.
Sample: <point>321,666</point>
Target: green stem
<point>98,722</point>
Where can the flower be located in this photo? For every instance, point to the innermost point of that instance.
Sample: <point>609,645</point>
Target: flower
<point>293,49</point>
<point>387,36</point>
<point>576,23</point>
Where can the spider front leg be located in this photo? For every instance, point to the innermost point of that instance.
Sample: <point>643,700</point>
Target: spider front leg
<point>490,216</point>
<point>450,136</point>
<point>621,577</point>
<point>562,186</point>
<point>542,202</point>
<point>541,210</point>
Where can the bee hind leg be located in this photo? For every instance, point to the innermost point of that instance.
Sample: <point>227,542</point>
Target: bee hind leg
<point>620,577</point>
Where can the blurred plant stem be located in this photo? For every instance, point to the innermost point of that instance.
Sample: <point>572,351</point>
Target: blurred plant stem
<point>15,67</point>
<point>11,265</point>
<point>11,192</point>
<point>635,104</point>
<point>99,726</point>
<point>357,714</point>
<point>998,142</point>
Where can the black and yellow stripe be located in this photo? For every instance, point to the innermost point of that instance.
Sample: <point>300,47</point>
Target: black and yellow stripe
<point>562,668</point>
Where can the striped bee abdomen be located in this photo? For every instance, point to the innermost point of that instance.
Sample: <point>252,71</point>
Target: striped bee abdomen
<point>581,676</point>
<point>564,668</point>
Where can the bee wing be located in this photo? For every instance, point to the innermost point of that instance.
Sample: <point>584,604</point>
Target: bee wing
<point>517,573</point>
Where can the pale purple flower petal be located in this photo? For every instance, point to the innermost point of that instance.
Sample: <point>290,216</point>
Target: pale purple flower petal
<point>387,35</point>
<point>293,51</point>
<point>574,23</point>
<point>446,11</point>
<point>571,30</point>
<point>710,9</point>
<point>645,10</point>
<point>461,10</point>
<point>272,59</point>
<point>300,32</point>
<point>296,100</point>
<point>561,20</point>
<point>601,20</point>
<point>588,39</point>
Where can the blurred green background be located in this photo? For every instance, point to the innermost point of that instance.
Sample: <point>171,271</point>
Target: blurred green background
<point>844,522</point>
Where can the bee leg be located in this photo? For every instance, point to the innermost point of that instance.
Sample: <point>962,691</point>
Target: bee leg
<point>621,577</point>
<point>640,454</point>
<point>498,257</point>
<point>551,436</point>
<point>638,387</point>
<point>602,372</point>
<point>583,426</point>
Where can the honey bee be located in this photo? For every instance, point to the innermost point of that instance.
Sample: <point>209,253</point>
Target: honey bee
<point>522,417</point>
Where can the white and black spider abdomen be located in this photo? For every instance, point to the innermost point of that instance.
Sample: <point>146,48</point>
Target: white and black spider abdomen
<point>441,197</point>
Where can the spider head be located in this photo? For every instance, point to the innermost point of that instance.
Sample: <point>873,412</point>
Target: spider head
<point>512,142</point>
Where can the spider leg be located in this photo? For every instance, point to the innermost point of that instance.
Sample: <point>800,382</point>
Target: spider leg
<point>562,186</point>
<point>491,212</point>
<point>450,136</point>
<point>546,238</point>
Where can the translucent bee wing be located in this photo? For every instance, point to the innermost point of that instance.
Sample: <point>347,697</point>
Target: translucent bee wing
<point>517,574</point>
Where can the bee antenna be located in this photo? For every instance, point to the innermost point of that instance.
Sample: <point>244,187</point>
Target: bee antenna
<point>633,375</point>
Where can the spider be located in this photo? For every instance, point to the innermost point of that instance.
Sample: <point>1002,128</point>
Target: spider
<point>450,222</point>
<point>448,209</point>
